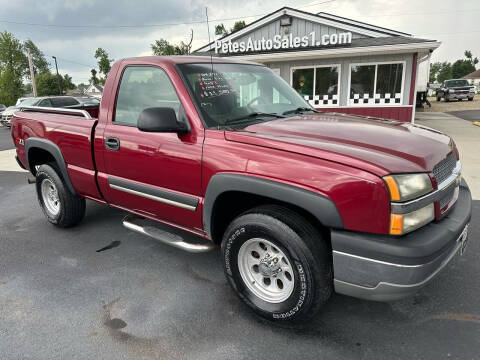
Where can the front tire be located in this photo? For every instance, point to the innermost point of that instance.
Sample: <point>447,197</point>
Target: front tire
<point>470,99</point>
<point>278,263</point>
<point>60,206</point>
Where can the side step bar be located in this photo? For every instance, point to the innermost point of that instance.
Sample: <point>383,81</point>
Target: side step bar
<point>172,236</point>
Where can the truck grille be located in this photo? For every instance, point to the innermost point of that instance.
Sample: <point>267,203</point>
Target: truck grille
<point>444,168</point>
<point>448,197</point>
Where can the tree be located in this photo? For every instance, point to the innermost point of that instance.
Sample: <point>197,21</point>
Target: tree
<point>163,48</point>
<point>445,72</point>
<point>222,31</point>
<point>40,63</point>
<point>67,83</point>
<point>460,68</point>
<point>237,26</point>
<point>434,70</point>
<point>469,56</point>
<point>439,72</point>
<point>47,84</point>
<point>94,80</point>
<point>104,63</point>
<point>12,68</point>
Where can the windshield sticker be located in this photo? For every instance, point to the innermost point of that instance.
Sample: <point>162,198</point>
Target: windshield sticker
<point>213,84</point>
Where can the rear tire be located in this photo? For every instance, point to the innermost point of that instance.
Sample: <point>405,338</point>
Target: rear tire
<point>439,98</point>
<point>278,263</point>
<point>60,206</point>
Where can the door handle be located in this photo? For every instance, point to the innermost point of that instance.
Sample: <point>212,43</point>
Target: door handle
<point>112,143</point>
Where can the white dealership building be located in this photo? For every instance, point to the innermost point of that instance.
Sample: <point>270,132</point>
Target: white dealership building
<point>336,64</point>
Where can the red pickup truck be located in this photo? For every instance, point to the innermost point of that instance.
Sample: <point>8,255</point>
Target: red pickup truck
<point>226,153</point>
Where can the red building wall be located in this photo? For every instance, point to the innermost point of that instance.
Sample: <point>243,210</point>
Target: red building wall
<point>403,113</point>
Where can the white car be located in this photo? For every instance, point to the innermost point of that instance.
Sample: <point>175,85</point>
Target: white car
<point>22,99</point>
<point>7,115</point>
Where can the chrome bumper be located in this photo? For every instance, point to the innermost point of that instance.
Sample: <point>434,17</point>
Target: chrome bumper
<point>385,268</point>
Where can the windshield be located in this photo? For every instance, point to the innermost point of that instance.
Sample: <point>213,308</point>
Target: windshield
<point>455,83</point>
<point>240,92</point>
<point>29,102</point>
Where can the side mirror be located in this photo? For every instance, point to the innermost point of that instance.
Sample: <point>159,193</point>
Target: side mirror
<point>160,119</point>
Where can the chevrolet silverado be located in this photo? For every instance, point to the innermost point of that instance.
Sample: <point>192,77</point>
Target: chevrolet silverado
<point>208,152</point>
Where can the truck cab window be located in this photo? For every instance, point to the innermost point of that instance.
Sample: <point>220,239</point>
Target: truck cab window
<point>143,87</point>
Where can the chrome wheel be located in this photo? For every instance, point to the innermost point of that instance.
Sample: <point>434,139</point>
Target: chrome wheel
<point>50,197</point>
<point>266,270</point>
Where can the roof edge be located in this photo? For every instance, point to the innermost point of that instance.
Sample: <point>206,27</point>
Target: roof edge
<point>362,26</point>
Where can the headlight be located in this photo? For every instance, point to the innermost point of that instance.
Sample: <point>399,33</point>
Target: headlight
<point>408,186</point>
<point>403,223</point>
<point>451,90</point>
<point>472,90</point>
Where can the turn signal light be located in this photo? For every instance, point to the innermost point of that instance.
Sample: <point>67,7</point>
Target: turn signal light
<point>396,224</point>
<point>393,188</point>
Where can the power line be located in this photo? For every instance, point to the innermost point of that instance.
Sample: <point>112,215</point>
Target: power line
<point>144,25</point>
<point>74,62</point>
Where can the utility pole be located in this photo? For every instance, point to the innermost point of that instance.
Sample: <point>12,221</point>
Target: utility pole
<point>32,74</point>
<point>58,76</point>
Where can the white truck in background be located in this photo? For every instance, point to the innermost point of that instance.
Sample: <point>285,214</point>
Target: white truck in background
<point>422,83</point>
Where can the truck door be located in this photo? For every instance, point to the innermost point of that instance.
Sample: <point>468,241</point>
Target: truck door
<point>155,174</point>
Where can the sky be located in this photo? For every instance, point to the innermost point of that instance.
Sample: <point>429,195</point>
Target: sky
<point>72,30</point>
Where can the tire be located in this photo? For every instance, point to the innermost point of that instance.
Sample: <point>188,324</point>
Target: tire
<point>308,263</point>
<point>60,206</point>
<point>439,98</point>
<point>470,99</point>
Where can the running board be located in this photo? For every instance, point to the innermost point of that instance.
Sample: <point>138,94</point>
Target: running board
<point>172,236</point>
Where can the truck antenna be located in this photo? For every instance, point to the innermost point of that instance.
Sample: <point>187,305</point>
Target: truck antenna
<point>209,41</point>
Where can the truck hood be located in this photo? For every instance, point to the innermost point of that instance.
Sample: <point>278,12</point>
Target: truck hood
<point>379,146</point>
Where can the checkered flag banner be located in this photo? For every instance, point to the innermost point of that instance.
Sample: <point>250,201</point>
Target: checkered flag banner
<point>381,99</point>
<point>322,100</point>
<point>388,99</point>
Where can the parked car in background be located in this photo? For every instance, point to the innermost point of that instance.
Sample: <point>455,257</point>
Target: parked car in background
<point>456,89</point>
<point>20,100</point>
<point>86,100</point>
<point>7,115</point>
<point>69,102</point>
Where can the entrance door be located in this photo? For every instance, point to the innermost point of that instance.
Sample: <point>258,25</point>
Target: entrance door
<point>156,174</point>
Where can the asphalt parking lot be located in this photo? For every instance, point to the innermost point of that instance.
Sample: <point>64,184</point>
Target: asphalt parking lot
<point>5,139</point>
<point>62,298</point>
<point>470,115</point>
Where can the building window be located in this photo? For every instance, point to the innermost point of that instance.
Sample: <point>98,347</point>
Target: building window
<point>318,85</point>
<point>376,84</point>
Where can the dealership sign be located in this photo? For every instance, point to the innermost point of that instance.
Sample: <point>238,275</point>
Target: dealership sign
<point>278,42</point>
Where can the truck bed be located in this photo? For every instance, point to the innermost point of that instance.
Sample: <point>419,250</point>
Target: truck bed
<point>71,132</point>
